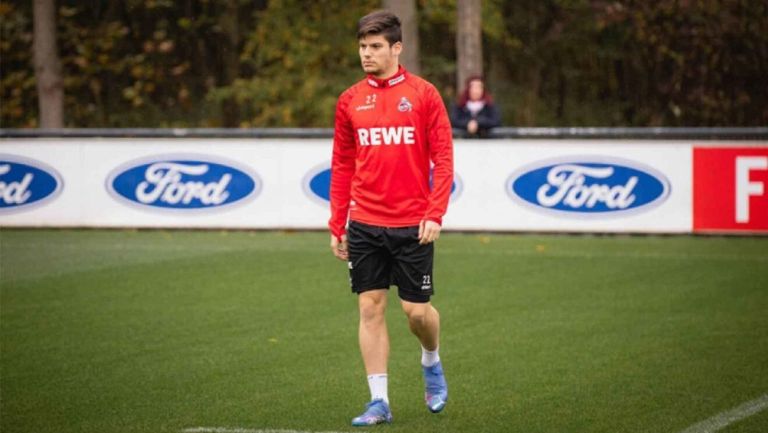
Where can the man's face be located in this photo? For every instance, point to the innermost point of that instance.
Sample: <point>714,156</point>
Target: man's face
<point>378,57</point>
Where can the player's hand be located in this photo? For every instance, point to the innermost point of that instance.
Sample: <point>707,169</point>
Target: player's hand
<point>340,248</point>
<point>429,231</point>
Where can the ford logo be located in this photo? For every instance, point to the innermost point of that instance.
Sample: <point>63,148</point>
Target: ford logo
<point>25,183</point>
<point>183,183</point>
<point>317,184</point>
<point>588,186</point>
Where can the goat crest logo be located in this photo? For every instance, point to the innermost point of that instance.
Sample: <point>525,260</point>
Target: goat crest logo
<point>405,105</point>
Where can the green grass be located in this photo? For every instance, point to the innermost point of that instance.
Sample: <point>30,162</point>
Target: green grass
<point>155,331</point>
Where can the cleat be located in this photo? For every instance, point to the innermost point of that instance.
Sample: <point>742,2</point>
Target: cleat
<point>376,412</point>
<point>436,394</point>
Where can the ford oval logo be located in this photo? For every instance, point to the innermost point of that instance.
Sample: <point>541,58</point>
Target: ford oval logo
<point>25,183</point>
<point>589,186</point>
<point>317,184</point>
<point>183,183</point>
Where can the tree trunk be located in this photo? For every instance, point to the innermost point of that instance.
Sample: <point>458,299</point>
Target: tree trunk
<point>469,45</point>
<point>50,88</point>
<point>230,62</point>
<point>406,11</point>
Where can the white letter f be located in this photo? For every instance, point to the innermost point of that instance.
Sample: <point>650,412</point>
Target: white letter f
<point>745,188</point>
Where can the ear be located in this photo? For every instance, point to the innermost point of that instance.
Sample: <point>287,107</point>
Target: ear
<point>397,48</point>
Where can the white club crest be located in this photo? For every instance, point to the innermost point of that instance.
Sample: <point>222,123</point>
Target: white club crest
<point>405,105</point>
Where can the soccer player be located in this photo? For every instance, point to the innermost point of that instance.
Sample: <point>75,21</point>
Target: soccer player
<point>389,128</point>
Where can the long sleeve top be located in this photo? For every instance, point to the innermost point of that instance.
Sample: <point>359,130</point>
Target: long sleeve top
<point>388,134</point>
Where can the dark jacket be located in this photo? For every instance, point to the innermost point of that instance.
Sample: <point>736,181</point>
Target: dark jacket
<point>487,118</point>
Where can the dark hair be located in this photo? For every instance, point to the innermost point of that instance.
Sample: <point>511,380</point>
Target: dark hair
<point>380,22</point>
<point>464,95</point>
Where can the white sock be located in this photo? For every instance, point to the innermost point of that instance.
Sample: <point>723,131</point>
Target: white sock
<point>378,385</point>
<point>428,359</point>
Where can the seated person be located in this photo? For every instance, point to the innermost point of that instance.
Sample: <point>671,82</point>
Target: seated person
<point>475,111</point>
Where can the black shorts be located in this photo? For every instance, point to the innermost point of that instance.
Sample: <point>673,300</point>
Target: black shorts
<point>382,256</point>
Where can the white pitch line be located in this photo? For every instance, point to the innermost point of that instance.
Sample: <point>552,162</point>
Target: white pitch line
<point>724,419</point>
<point>248,430</point>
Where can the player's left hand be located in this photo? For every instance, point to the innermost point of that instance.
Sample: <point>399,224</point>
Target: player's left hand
<point>429,231</point>
<point>340,247</point>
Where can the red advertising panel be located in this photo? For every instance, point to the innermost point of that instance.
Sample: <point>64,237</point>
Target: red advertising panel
<point>730,189</point>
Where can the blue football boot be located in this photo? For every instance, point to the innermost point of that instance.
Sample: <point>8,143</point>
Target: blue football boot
<point>436,394</point>
<point>376,412</point>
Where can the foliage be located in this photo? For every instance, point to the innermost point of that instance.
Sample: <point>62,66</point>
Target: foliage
<point>301,57</point>
<point>699,61</point>
<point>198,63</point>
<point>133,63</point>
<point>18,96</point>
<point>437,34</point>
<point>630,63</point>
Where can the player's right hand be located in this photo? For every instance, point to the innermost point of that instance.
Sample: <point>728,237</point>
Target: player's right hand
<point>339,247</point>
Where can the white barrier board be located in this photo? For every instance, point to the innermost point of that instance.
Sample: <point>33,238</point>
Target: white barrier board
<point>583,185</point>
<point>516,185</point>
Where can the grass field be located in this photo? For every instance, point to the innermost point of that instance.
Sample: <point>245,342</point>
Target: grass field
<point>156,331</point>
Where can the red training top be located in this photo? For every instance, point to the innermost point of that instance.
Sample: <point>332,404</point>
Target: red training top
<point>386,133</point>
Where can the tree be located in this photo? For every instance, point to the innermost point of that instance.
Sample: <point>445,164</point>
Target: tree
<point>252,63</point>
<point>50,84</point>
<point>297,61</point>
<point>230,60</point>
<point>469,46</point>
<point>406,11</point>
<point>700,63</point>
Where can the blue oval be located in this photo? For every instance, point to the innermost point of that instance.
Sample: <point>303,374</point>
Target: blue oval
<point>319,184</point>
<point>454,185</point>
<point>589,186</point>
<point>183,183</point>
<point>26,183</point>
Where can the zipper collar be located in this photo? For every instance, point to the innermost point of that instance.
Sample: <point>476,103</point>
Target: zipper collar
<point>394,80</point>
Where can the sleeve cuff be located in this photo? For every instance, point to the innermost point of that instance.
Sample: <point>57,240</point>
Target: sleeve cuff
<point>338,232</point>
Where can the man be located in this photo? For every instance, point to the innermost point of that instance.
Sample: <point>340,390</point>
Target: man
<point>389,127</point>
